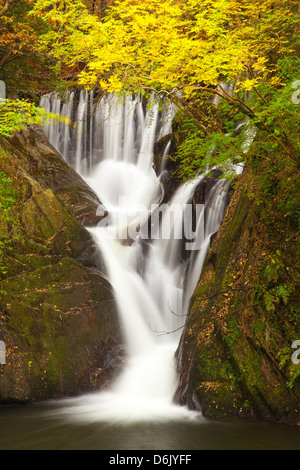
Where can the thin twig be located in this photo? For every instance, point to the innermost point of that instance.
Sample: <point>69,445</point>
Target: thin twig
<point>221,292</point>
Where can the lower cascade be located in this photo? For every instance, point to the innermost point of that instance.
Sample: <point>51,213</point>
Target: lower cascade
<point>152,252</point>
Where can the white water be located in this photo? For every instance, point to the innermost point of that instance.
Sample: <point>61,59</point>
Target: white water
<point>152,279</point>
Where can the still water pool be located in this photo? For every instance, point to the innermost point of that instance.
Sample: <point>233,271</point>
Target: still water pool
<point>36,427</point>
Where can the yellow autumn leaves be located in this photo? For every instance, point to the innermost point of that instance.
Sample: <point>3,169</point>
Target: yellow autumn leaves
<point>170,44</point>
<point>162,45</point>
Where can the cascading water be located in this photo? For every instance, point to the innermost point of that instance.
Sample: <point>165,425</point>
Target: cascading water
<point>154,272</point>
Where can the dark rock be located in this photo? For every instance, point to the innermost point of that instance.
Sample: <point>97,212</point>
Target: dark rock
<point>204,187</point>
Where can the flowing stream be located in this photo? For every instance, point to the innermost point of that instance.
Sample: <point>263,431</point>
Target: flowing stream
<point>152,256</point>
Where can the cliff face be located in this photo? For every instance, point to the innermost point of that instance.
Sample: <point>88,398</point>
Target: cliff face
<point>235,357</point>
<point>57,313</point>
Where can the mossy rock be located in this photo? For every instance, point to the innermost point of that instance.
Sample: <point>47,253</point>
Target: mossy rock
<point>58,317</point>
<point>235,355</point>
<point>63,316</point>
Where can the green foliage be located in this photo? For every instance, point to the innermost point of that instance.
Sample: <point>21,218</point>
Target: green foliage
<point>294,377</point>
<point>7,201</point>
<point>222,137</point>
<point>289,201</point>
<point>24,69</point>
<point>274,268</point>
<point>288,68</point>
<point>186,50</point>
<point>16,114</point>
<point>275,287</point>
<point>221,141</point>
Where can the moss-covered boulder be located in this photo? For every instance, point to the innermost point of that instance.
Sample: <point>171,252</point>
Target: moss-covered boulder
<point>57,311</point>
<point>235,356</point>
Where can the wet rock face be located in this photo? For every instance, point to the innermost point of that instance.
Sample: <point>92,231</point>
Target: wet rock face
<point>57,312</point>
<point>169,176</point>
<point>204,187</point>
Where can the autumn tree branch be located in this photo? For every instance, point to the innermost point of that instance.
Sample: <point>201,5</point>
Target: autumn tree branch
<point>249,112</point>
<point>222,292</point>
<point>6,6</point>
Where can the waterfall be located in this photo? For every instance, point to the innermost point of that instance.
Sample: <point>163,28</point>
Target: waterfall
<point>152,255</point>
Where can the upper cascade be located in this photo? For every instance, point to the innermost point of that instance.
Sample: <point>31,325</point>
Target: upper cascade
<point>119,128</point>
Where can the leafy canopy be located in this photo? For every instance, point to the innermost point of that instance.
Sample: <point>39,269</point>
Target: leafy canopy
<point>171,44</point>
<point>23,67</point>
<point>183,49</point>
<point>187,50</point>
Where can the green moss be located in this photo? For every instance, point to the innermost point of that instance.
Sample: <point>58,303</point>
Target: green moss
<point>238,364</point>
<point>57,317</point>
<point>56,320</point>
<point>233,332</point>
